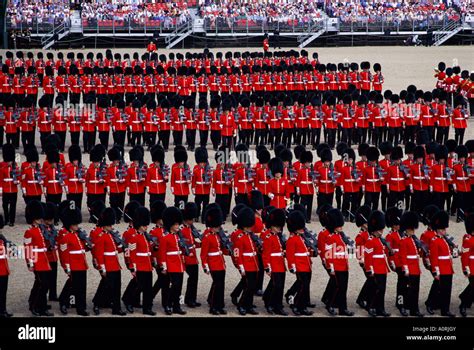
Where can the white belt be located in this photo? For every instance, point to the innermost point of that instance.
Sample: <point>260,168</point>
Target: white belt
<point>471,257</point>
<point>427,116</point>
<point>440,178</point>
<point>181,181</point>
<point>94,181</point>
<point>103,122</point>
<point>462,178</point>
<point>7,180</point>
<point>444,257</point>
<point>214,254</point>
<point>339,253</point>
<point>397,179</point>
<point>395,250</point>
<point>249,254</point>
<point>263,182</point>
<point>110,253</point>
<point>306,182</point>
<point>412,256</point>
<point>202,183</point>
<point>3,256</point>
<point>176,252</point>
<point>418,177</point>
<point>33,181</point>
<point>325,181</point>
<point>38,250</point>
<point>459,118</point>
<point>73,180</point>
<point>350,180</point>
<point>443,116</point>
<point>144,254</point>
<point>77,251</point>
<point>53,181</point>
<point>243,180</point>
<point>220,182</point>
<point>114,180</point>
<point>378,256</point>
<point>157,181</point>
<point>302,254</point>
<point>135,180</point>
<point>277,254</point>
<point>372,180</point>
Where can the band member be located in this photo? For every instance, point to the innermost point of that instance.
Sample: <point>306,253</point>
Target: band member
<point>96,176</point>
<point>140,262</point>
<point>172,261</point>
<point>4,272</point>
<point>394,237</point>
<point>362,219</point>
<point>212,259</point>
<point>201,181</point>
<point>75,176</point>
<point>338,244</point>
<point>51,235</point>
<point>441,254</point>
<point>136,175</point>
<point>410,250</point>
<point>37,259</point>
<point>299,261</point>
<point>246,258</point>
<point>467,261</point>
<point>73,259</point>
<point>181,177</point>
<point>274,262</point>
<point>157,175</point>
<point>222,178</point>
<point>376,265</point>
<point>107,248</point>
<point>306,182</point>
<point>10,177</point>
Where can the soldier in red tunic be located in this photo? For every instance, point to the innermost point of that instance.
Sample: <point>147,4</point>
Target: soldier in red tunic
<point>10,176</point>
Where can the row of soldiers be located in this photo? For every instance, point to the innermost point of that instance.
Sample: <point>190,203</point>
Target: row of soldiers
<point>442,174</point>
<point>257,246</point>
<point>284,118</point>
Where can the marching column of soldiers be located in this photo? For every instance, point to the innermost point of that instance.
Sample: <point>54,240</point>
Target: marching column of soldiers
<point>274,193</point>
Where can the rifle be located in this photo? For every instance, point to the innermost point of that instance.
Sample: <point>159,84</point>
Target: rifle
<point>196,233</point>
<point>152,239</point>
<point>187,172</point>
<point>310,241</point>
<point>49,236</point>
<point>404,169</point>
<point>387,245</point>
<point>332,174</point>
<point>85,238</point>
<point>183,245</point>
<point>8,243</point>
<point>347,241</point>
<point>312,173</point>
<point>225,241</point>
<point>421,246</point>
<point>164,170</point>
<point>448,172</point>
<point>207,175</point>
<point>117,239</point>
<point>257,240</point>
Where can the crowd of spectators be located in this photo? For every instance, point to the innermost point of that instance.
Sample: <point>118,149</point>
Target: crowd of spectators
<point>23,13</point>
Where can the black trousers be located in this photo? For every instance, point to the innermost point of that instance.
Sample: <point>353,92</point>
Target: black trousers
<point>79,288</point>
<point>176,286</point>
<point>66,293</point>
<point>104,138</point>
<point>329,290</point>
<point>377,301</point>
<point>445,287</point>
<point>177,138</point>
<point>442,134</point>
<point>315,137</point>
<point>239,288</point>
<point>28,199</point>
<point>246,300</point>
<point>241,198</point>
<point>180,200</point>
<point>135,138</point>
<point>273,295</point>
<point>307,201</point>
<point>53,281</point>
<point>203,137</point>
<point>467,295</point>
<point>439,199</point>
<point>302,296</point>
<point>27,138</point>
<point>164,136</point>
<point>433,295</point>
<point>9,206</point>
<point>149,138</point>
<point>413,293</point>
<point>394,198</point>
<point>39,291</point>
<point>201,200</point>
<point>139,197</point>
<point>88,140</point>
<point>224,201</point>
<point>117,202</point>
<point>402,289</point>
<point>259,136</point>
<point>367,290</point>
<point>3,293</point>
<point>347,135</point>
<point>261,272</point>
<point>459,135</point>
<point>419,200</point>
<point>102,294</point>
<point>62,139</point>
<point>157,197</point>
<point>286,137</point>
<point>163,284</point>
<point>191,139</point>
<point>119,137</point>
<point>192,283</point>
<point>339,297</point>
<point>75,137</point>
<point>144,283</point>
<point>339,197</point>
<point>331,137</point>
<point>76,198</point>
<point>350,204</point>
<point>325,198</point>
<point>216,294</point>
<point>274,137</point>
<point>114,286</point>
<point>54,198</point>
<point>372,199</point>
<point>215,138</point>
<point>43,136</point>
